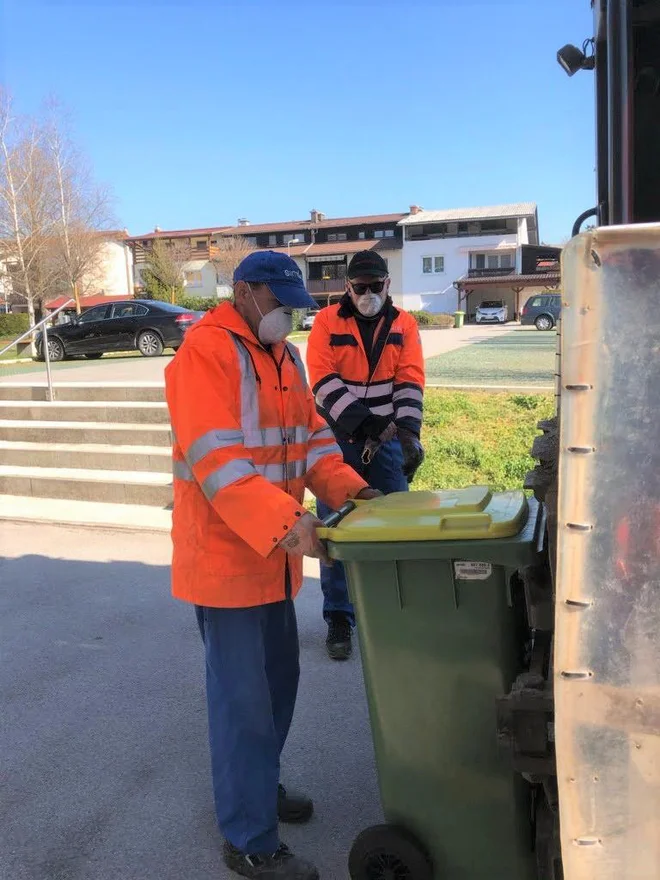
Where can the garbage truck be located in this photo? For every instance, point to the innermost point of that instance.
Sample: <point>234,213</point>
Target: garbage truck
<point>511,642</point>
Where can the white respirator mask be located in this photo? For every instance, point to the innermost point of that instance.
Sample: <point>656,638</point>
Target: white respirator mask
<point>369,304</point>
<point>276,325</point>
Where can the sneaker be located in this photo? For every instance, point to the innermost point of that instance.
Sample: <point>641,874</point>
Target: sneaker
<point>338,642</point>
<point>293,808</point>
<point>281,865</point>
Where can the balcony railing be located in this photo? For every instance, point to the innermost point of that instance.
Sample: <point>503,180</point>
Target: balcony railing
<point>487,273</point>
<point>330,285</point>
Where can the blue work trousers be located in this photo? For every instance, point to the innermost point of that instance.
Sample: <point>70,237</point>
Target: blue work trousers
<point>384,473</point>
<point>252,672</point>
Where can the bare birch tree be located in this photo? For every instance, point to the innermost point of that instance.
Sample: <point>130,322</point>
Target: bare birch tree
<point>26,208</point>
<point>226,256</point>
<point>83,209</point>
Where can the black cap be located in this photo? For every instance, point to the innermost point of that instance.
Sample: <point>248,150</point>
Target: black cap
<point>367,263</point>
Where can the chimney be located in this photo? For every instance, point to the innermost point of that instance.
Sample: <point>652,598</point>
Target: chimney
<point>243,221</point>
<point>314,215</point>
<point>321,217</point>
<point>415,209</point>
<point>157,229</point>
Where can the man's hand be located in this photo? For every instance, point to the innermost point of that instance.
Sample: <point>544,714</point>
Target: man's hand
<point>303,540</point>
<point>388,434</point>
<point>368,494</point>
<point>413,453</point>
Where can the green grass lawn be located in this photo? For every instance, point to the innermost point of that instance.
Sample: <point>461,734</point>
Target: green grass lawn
<point>478,438</point>
<point>524,357</point>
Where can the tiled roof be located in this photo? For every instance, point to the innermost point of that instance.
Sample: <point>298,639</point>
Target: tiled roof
<point>327,223</point>
<point>492,212</point>
<point>176,233</point>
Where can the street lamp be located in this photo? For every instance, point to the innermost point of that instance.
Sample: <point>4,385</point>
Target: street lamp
<point>290,242</point>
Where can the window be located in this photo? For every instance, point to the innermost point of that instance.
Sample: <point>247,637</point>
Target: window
<point>193,279</point>
<point>389,233</point>
<point>379,233</point>
<point>493,261</point>
<point>294,236</point>
<point>96,314</point>
<point>362,235</point>
<point>433,265</point>
<point>201,245</point>
<point>537,302</point>
<point>337,236</point>
<point>272,240</point>
<point>128,310</point>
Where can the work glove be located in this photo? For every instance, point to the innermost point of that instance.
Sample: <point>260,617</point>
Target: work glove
<point>413,453</point>
<point>378,428</point>
<point>368,494</point>
<point>303,540</point>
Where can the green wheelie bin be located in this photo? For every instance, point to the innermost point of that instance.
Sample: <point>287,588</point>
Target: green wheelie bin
<point>432,578</point>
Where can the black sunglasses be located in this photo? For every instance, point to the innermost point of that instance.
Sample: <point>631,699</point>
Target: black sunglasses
<point>373,286</point>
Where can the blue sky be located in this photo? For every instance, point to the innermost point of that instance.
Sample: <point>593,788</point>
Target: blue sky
<point>201,113</point>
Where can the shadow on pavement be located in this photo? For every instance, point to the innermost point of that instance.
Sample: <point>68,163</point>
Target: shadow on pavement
<point>103,730</point>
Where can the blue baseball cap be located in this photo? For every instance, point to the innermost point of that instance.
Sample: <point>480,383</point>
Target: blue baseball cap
<point>280,273</point>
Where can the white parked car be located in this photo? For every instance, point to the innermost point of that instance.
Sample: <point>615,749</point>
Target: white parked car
<point>492,311</point>
<point>308,321</point>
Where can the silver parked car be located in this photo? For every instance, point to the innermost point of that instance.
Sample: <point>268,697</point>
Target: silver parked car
<point>492,311</point>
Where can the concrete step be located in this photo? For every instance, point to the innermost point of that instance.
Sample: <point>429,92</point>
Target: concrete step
<point>108,487</point>
<point>144,392</point>
<point>102,456</point>
<point>85,514</point>
<point>84,411</point>
<point>124,434</point>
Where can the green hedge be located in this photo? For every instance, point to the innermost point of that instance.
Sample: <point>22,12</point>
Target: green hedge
<point>197,303</point>
<point>13,325</point>
<point>431,319</point>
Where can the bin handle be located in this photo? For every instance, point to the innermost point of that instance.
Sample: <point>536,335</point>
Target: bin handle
<point>333,519</point>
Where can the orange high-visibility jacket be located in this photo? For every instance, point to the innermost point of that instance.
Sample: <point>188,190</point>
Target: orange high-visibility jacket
<point>349,384</point>
<point>247,441</point>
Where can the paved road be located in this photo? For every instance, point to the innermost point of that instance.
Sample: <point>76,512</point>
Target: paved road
<point>105,773</point>
<point>137,369</point>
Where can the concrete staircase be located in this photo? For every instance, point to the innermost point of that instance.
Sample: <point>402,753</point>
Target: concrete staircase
<point>100,455</point>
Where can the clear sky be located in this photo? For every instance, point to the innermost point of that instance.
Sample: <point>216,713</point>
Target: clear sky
<point>199,113</point>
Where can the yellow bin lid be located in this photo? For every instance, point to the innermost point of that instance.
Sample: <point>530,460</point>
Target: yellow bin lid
<point>448,515</point>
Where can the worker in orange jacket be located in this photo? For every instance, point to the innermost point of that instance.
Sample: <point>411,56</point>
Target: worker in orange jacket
<point>366,367</point>
<point>247,442</point>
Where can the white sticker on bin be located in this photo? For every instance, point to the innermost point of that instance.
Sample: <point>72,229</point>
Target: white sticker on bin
<point>473,571</point>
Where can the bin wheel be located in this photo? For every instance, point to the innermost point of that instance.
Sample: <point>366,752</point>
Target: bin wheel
<point>387,852</point>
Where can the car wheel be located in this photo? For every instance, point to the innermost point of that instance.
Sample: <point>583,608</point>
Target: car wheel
<point>55,350</point>
<point>94,355</point>
<point>544,322</point>
<point>150,344</point>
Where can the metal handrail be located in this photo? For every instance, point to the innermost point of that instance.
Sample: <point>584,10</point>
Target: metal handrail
<point>44,344</point>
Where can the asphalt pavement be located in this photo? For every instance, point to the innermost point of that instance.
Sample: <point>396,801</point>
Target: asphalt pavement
<point>104,768</point>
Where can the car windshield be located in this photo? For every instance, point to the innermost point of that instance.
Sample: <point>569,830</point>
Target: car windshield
<point>492,304</point>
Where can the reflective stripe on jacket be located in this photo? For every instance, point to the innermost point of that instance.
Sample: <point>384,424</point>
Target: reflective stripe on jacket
<point>349,383</point>
<point>247,441</point>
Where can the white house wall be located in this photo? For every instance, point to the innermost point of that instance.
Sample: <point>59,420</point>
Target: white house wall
<point>114,273</point>
<point>436,293</point>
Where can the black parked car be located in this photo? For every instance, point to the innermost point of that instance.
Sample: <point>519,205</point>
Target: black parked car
<point>144,325</point>
<point>542,310</point>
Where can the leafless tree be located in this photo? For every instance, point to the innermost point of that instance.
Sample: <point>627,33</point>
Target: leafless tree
<point>26,208</point>
<point>83,209</point>
<point>226,256</point>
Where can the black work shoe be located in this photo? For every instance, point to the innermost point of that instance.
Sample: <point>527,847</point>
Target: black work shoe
<point>338,642</point>
<point>293,808</point>
<point>281,865</point>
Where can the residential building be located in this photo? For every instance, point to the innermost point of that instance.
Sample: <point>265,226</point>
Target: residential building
<point>322,247</point>
<point>200,276</point>
<point>441,248</point>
